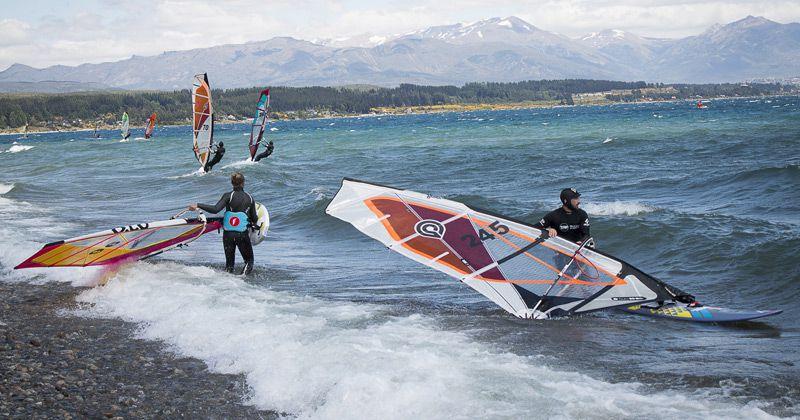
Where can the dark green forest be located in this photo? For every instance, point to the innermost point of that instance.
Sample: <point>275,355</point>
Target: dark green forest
<point>174,107</point>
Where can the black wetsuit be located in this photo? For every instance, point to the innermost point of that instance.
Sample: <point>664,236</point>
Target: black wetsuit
<point>572,226</point>
<point>266,153</point>
<point>236,201</point>
<point>215,160</point>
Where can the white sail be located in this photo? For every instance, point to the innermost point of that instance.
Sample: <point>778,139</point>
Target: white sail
<point>126,132</point>
<point>512,263</point>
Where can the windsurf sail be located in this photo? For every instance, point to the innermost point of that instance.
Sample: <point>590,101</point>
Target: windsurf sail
<point>151,125</point>
<point>510,262</point>
<point>95,131</point>
<point>25,131</point>
<point>203,118</point>
<point>259,122</point>
<point>121,244</point>
<point>126,132</point>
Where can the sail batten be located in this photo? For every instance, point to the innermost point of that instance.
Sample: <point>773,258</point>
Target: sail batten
<point>512,263</point>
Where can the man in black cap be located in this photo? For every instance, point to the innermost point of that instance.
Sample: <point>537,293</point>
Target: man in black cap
<point>568,221</point>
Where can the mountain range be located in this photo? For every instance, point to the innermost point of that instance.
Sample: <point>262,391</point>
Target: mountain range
<point>496,49</point>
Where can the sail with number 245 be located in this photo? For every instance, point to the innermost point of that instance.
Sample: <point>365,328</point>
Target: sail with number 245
<point>514,264</point>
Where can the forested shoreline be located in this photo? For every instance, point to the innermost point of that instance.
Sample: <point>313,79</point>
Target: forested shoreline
<point>104,108</point>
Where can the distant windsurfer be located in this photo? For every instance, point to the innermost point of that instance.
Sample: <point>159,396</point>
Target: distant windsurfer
<point>240,213</point>
<point>218,153</point>
<point>270,148</point>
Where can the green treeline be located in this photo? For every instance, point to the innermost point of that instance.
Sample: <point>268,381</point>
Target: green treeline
<point>174,107</point>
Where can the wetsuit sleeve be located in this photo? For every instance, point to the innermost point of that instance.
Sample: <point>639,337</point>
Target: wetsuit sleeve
<point>221,204</point>
<point>584,229</point>
<point>545,222</point>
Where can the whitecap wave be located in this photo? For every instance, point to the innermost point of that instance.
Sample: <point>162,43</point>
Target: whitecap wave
<point>240,164</point>
<point>22,237</point>
<point>313,358</point>
<point>617,208</point>
<point>198,172</point>
<point>320,193</point>
<point>16,148</point>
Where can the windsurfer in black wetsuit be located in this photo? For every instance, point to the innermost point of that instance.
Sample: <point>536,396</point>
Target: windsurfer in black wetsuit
<point>218,153</point>
<point>265,153</point>
<point>569,222</point>
<point>240,212</point>
<point>572,223</point>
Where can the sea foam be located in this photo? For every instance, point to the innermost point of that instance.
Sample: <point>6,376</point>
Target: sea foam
<point>314,358</point>
<point>617,208</point>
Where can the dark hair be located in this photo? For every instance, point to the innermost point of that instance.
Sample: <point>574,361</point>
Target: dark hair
<point>237,180</point>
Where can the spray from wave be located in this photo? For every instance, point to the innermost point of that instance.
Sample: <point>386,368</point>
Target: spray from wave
<point>18,148</point>
<point>617,208</point>
<point>19,238</point>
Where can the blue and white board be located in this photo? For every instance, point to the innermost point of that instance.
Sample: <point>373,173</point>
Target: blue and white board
<point>683,312</point>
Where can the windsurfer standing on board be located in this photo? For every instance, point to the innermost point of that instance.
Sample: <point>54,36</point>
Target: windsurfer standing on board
<point>218,153</point>
<point>266,153</point>
<point>240,212</point>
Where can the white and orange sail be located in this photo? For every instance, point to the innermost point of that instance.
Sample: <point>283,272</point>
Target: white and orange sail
<point>515,265</point>
<point>151,125</point>
<point>202,118</point>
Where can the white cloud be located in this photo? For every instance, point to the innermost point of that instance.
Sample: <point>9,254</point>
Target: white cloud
<point>113,30</point>
<point>14,32</point>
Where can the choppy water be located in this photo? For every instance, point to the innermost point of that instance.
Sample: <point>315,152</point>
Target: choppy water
<point>334,324</point>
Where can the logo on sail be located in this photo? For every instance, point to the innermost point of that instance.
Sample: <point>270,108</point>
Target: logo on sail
<point>430,228</point>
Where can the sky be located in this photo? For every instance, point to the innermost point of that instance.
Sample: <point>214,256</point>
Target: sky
<point>42,33</point>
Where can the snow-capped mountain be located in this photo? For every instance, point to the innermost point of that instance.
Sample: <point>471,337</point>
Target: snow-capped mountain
<point>496,49</point>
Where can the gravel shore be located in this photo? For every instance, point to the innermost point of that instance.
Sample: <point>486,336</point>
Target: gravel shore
<point>56,366</point>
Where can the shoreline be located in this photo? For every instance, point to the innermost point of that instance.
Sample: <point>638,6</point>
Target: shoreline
<point>61,365</point>
<point>411,110</point>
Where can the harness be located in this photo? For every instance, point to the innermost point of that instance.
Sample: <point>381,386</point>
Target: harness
<point>236,221</point>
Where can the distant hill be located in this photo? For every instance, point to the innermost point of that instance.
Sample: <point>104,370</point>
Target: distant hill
<point>51,87</point>
<point>497,49</point>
